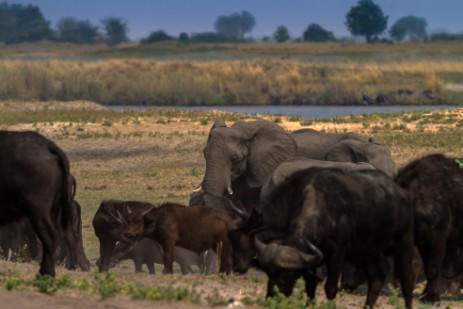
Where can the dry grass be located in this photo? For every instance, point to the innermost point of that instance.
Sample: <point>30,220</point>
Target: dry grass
<point>243,74</point>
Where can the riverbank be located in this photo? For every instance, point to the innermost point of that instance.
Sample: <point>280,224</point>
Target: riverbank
<point>247,74</point>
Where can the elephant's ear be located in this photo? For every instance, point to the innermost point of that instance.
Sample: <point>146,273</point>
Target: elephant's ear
<point>267,149</point>
<point>374,141</point>
<point>219,123</point>
<point>346,151</point>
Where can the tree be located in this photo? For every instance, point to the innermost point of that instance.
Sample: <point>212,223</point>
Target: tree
<point>184,38</point>
<point>116,30</point>
<point>366,19</point>
<point>156,36</point>
<point>281,34</point>
<point>22,23</point>
<point>77,31</point>
<point>235,26</point>
<point>411,26</point>
<point>316,33</point>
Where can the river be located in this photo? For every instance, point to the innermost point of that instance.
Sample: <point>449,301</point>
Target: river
<point>303,111</point>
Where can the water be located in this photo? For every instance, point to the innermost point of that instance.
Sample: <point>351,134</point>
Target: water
<point>303,111</point>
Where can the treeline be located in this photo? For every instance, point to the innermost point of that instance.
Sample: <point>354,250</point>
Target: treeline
<point>26,23</point>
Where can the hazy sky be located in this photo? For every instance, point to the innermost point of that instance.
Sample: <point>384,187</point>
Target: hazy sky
<point>175,16</point>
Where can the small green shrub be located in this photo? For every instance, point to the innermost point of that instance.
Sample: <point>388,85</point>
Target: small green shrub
<point>106,284</point>
<point>49,285</point>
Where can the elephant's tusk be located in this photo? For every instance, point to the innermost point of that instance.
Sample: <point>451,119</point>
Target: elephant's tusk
<point>230,190</point>
<point>198,189</point>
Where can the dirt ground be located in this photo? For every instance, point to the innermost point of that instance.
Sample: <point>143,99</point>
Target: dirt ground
<point>130,155</point>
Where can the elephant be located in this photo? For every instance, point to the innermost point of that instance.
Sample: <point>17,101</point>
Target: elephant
<point>241,158</point>
<point>344,147</point>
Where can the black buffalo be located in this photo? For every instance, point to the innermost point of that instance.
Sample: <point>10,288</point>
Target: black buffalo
<point>436,185</point>
<point>113,222</point>
<point>194,228</point>
<point>35,183</point>
<point>19,240</point>
<point>329,217</point>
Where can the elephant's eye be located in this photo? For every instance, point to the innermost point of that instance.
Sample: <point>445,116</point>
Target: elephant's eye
<point>235,159</point>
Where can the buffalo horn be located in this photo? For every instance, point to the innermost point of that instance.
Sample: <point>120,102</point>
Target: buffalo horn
<point>230,190</point>
<point>146,211</point>
<point>114,217</point>
<point>129,211</point>
<point>198,189</point>
<point>287,257</point>
<point>119,215</point>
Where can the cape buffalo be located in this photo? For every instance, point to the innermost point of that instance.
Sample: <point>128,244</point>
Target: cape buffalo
<point>118,221</point>
<point>18,239</point>
<point>435,183</point>
<point>329,217</point>
<point>35,183</point>
<point>194,228</point>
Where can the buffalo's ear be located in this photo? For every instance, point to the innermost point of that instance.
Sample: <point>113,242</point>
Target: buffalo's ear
<point>270,146</point>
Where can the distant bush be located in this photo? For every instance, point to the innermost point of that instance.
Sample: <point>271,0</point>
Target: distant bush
<point>208,37</point>
<point>156,36</point>
<point>443,36</point>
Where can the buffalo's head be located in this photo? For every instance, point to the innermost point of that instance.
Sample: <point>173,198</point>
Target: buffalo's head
<point>283,264</point>
<point>128,228</point>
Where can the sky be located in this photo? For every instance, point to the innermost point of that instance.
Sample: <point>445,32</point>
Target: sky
<point>193,16</point>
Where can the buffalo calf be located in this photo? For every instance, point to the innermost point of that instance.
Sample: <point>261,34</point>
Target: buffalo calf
<point>194,228</point>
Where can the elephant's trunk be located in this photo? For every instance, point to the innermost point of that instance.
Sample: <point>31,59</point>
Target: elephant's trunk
<point>217,179</point>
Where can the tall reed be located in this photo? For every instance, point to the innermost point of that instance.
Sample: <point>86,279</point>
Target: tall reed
<point>182,82</point>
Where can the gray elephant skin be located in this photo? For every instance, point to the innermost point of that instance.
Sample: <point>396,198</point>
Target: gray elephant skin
<point>241,158</point>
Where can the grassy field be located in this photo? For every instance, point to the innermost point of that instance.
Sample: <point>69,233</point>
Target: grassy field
<point>224,74</point>
<point>157,156</point>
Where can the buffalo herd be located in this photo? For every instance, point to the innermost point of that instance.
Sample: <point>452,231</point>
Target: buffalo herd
<point>324,207</point>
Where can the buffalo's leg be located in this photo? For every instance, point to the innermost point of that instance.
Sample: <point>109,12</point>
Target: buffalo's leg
<point>333,273</point>
<point>168,257</point>
<point>432,255</point>
<point>49,236</point>
<point>106,251</point>
<point>311,279</point>
<point>225,253</point>
<point>151,268</point>
<point>403,264</point>
<point>138,264</point>
<point>375,278</point>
